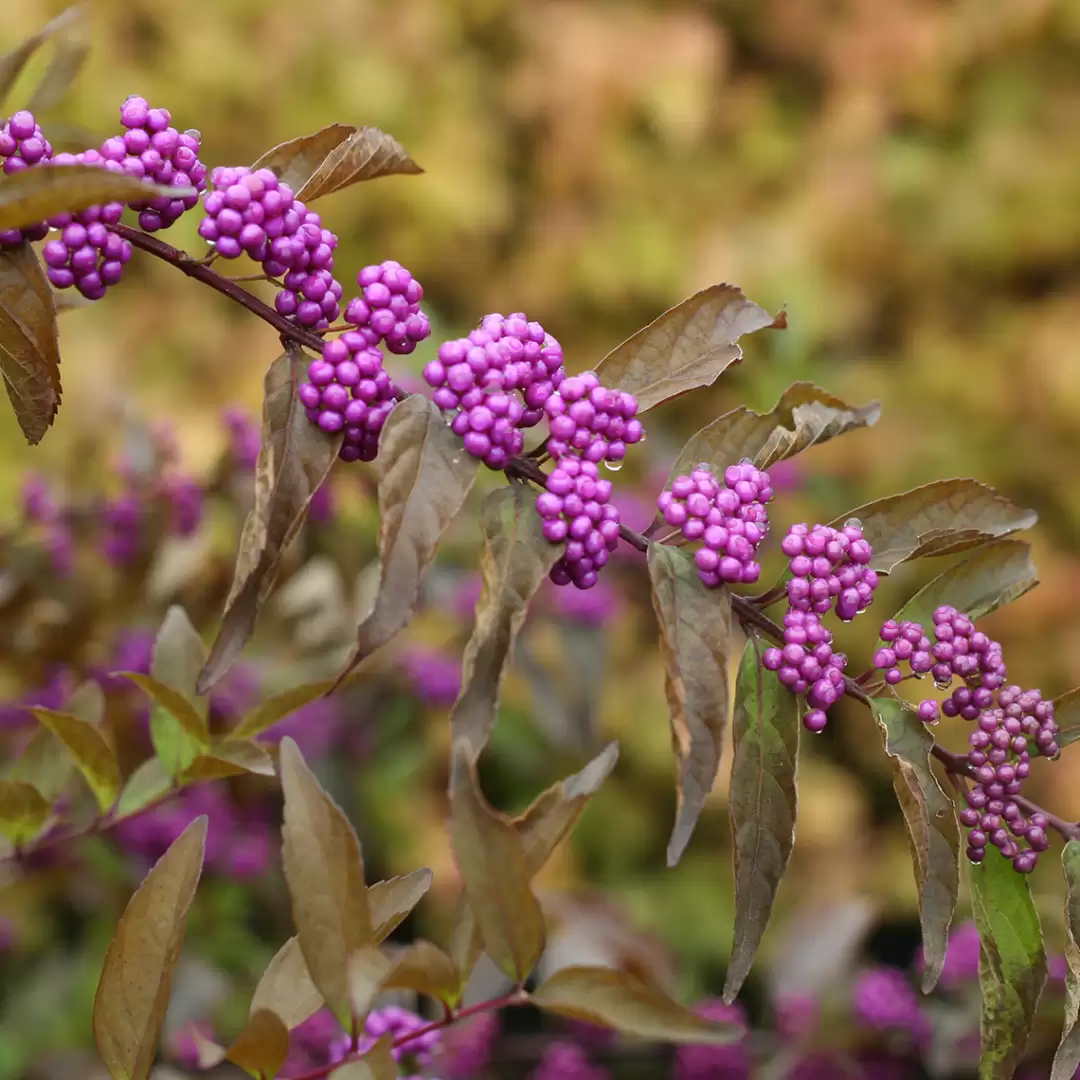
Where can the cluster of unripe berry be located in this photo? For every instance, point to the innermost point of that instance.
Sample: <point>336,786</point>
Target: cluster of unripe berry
<point>1009,722</point>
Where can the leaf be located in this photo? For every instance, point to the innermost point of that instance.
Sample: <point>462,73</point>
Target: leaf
<point>391,902</point>
<point>29,341</point>
<point>148,784</point>
<point>324,871</point>
<point>69,57</point>
<point>514,561</point>
<point>33,195</point>
<point>133,991</point>
<point>425,968</point>
<point>177,730</point>
<point>377,1064</point>
<point>425,477</point>
<point>763,805</point>
<point>366,154</point>
<point>1012,963</point>
<point>991,578</point>
<point>23,811</point>
<point>286,987</point>
<point>12,64</point>
<point>296,161</point>
<point>690,345</point>
<point>1067,716</point>
<point>1067,1058</point>
<point>295,459</point>
<point>93,756</point>
<point>930,820</point>
<point>367,968</point>
<point>618,1000</point>
<point>937,519</point>
<point>804,416</point>
<point>491,859</point>
<point>262,1045</point>
<point>269,712</point>
<point>230,759</point>
<point>697,640</point>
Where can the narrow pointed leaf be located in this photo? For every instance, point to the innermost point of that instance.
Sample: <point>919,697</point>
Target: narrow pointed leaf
<point>803,417</point>
<point>69,57</point>
<point>377,1064</point>
<point>29,341</point>
<point>12,63</point>
<point>295,459</point>
<point>690,345</point>
<point>178,731</point>
<point>1012,963</point>
<point>390,902</point>
<point>1067,716</point>
<point>230,759</point>
<point>324,871</point>
<point>23,811</point>
<point>698,640</point>
<point>1067,1058</point>
<point>932,828</point>
<point>991,578</point>
<point>93,756</point>
<point>296,161</point>
<point>514,561</point>
<point>276,708</point>
<point>262,1045</point>
<point>148,784</point>
<point>763,804</point>
<point>491,859</point>
<point>618,1000</point>
<point>286,988</point>
<point>939,519</point>
<point>425,968</point>
<point>33,195</point>
<point>133,991</point>
<point>366,154</point>
<point>425,477</point>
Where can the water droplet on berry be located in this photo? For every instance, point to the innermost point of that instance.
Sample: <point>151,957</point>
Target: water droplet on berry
<point>612,466</point>
<point>853,523</point>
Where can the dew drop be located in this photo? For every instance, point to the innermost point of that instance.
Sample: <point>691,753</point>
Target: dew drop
<point>853,523</point>
<point>612,466</point>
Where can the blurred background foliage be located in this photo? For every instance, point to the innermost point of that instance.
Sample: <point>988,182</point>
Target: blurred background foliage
<point>902,175</point>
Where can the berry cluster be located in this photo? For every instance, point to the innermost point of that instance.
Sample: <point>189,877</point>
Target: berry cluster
<point>388,310</point>
<point>394,1022</point>
<point>1009,720</point>
<point>576,511</point>
<point>22,144</point>
<point>349,390</point>
<point>807,665</point>
<point>88,256</point>
<point>586,418</point>
<point>498,379</point>
<point>254,213</point>
<point>730,521</point>
<point>830,565</point>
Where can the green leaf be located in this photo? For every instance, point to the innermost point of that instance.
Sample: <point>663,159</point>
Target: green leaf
<point>1067,716</point>
<point>286,987</point>
<point>698,639</point>
<point>29,341</point>
<point>261,1046</point>
<point>93,756</point>
<point>148,784</point>
<point>491,859</point>
<point>425,477</point>
<point>391,902</point>
<point>12,64</point>
<point>133,991</point>
<point>33,195</point>
<point>425,968</point>
<point>296,161</point>
<point>23,811</point>
<point>230,759</point>
<point>803,417</point>
<point>177,729</point>
<point>991,578</point>
<point>618,1000</point>
<point>69,57</point>
<point>514,561</point>
<point>377,1064</point>
<point>930,819</point>
<point>763,804</point>
<point>1012,963</point>
<point>939,519</point>
<point>276,708</point>
<point>324,871</point>
<point>688,346</point>
<point>1067,1058</point>
<point>366,154</point>
<point>295,459</point>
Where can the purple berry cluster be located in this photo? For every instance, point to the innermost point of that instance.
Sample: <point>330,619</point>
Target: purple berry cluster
<point>830,565</point>
<point>576,511</point>
<point>807,665</point>
<point>349,390</point>
<point>22,145</point>
<point>89,257</point>
<point>395,1022</point>
<point>252,212</point>
<point>388,310</point>
<point>730,521</point>
<point>1008,722</point>
<point>498,380</point>
<point>588,419</point>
